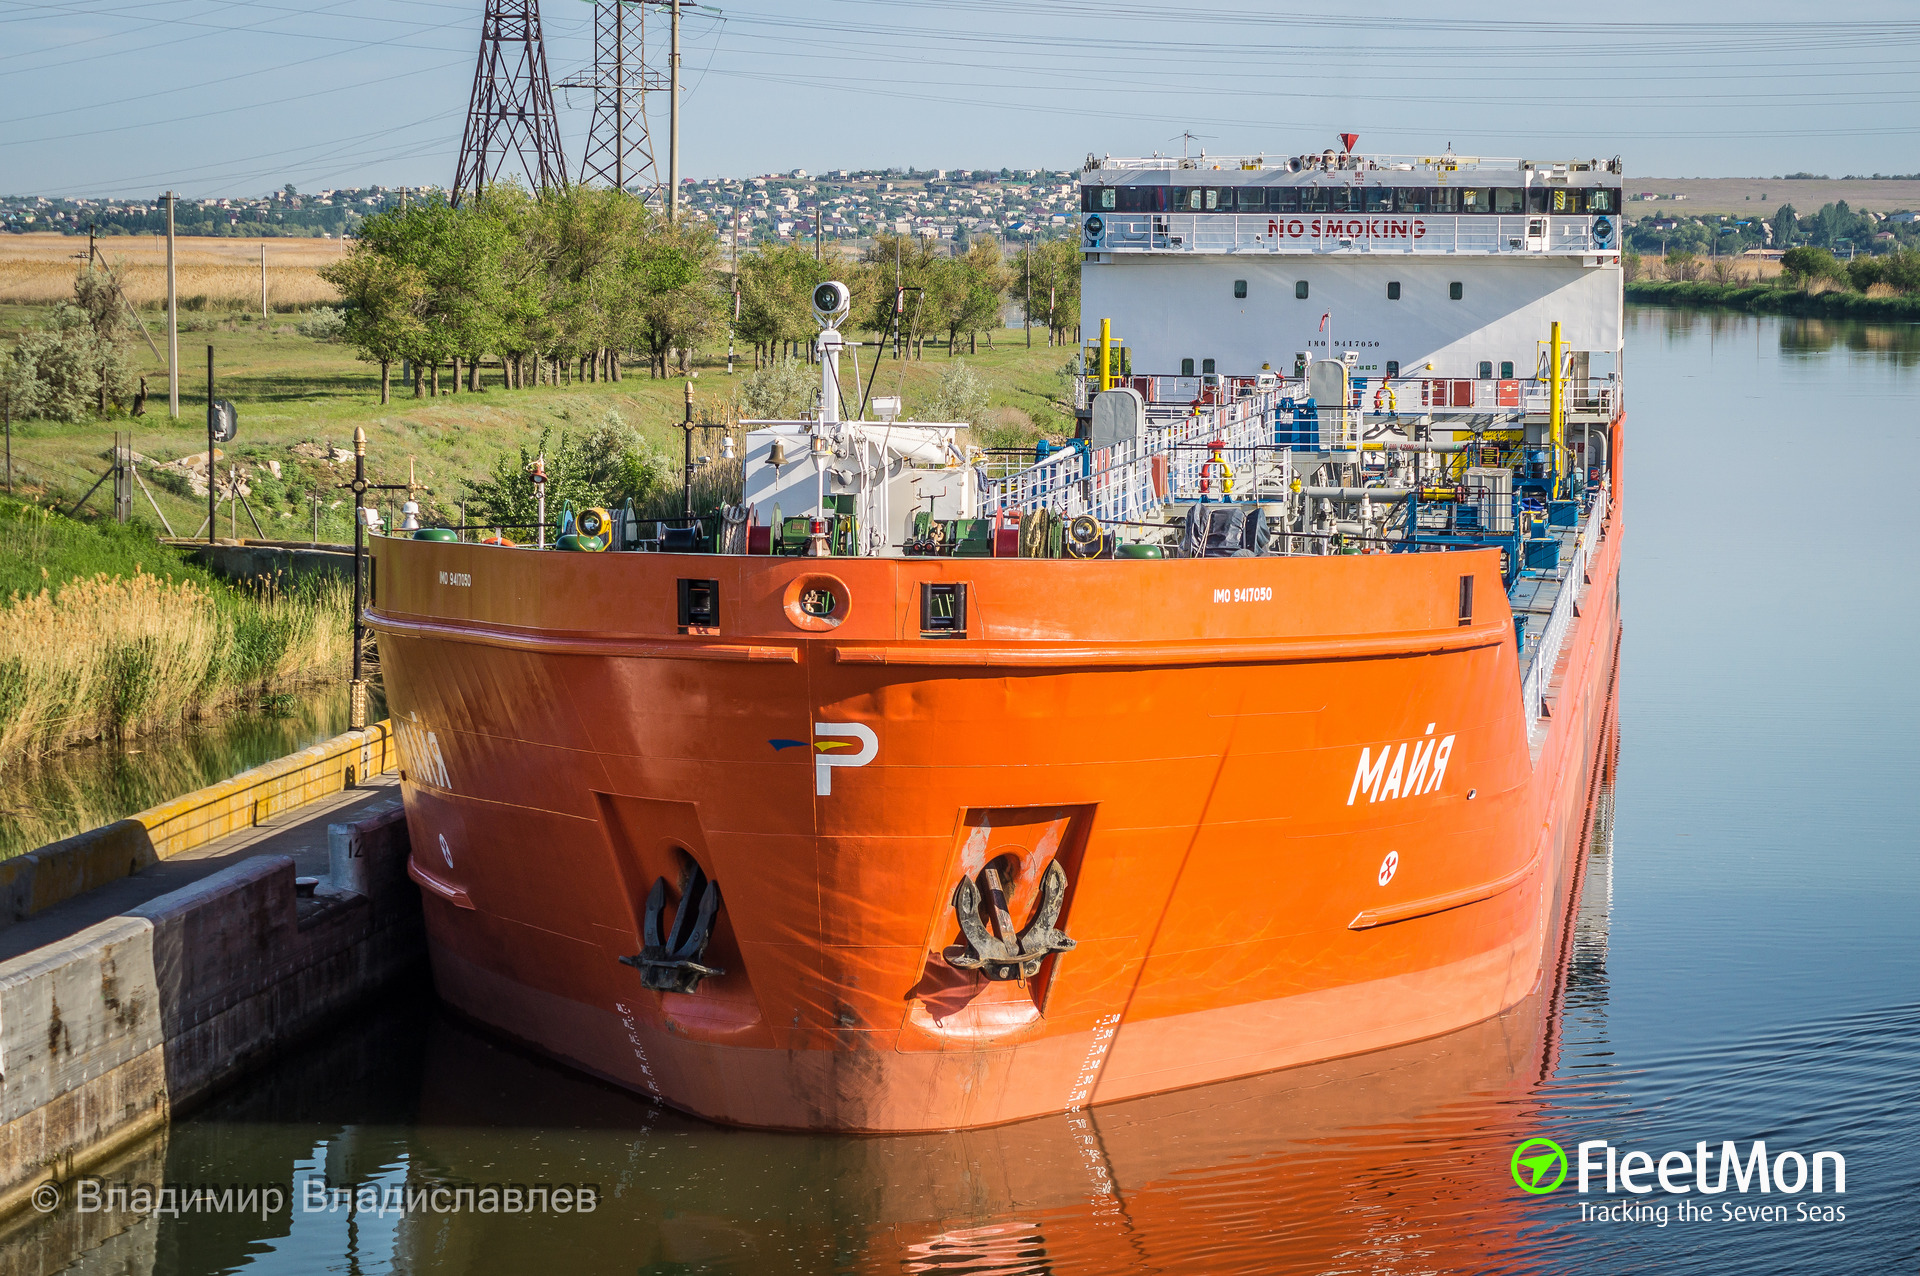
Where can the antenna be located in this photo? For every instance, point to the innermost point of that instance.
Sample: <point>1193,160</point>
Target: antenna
<point>619,142</point>
<point>1187,139</point>
<point>510,115</point>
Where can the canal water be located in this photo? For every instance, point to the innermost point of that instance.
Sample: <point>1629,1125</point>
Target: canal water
<point>45,799</point>
<point>1745,967</point>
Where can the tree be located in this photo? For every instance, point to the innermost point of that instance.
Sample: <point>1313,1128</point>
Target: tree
<point>671,275</point>
<point>1054,302</point>
<point>900,270</point>
<point>99,299</point>
<point>384,297</point>
<point>976,287</point>
<point>1786,224</point>
<point>776,298</point>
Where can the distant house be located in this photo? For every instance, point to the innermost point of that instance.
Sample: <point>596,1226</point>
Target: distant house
<point>1903,219</point>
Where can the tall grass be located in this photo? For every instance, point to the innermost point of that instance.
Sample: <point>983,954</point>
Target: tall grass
<point>106,633</point>
<point>111,656</point>
<point>218,273</point>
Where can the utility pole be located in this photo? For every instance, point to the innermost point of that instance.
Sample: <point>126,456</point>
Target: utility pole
<point>673,122</point>
<point>1026,319</point>
<point>734,323</point>
<point>819,216</point>
<point>173,330</point>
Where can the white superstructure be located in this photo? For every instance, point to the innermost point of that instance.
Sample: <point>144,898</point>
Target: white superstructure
<point>1231,265</point>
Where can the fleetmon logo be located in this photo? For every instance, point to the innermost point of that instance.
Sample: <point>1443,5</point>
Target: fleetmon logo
<point>1536,1159</point>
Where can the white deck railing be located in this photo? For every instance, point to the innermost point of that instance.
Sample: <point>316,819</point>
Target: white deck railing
<point>1131,480</point>
<point>1546,652</point>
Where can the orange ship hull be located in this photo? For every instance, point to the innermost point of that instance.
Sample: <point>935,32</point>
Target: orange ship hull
<point>1202,745</point>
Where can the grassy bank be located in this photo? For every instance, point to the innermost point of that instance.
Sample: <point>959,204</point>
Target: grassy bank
<point>112,637</point>
<point>1777,300</point>
<point>296,392</point>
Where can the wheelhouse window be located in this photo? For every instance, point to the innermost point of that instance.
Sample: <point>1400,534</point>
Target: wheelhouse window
<point>1253,199</point>
<point>1393,290</point>
<point>1444,199</point>
<point>1600,200</point>
<point>1283,199</point>
<point>1380,199</point>
<point>1506,369</point>
<point>1206,367</point>
<point>1473,199</point>
<point>1415,199</point>
<point>1186,367</point>
<point>1537,199</point>
<point>1456,290</point>
<point>1508,200</point>
<point>1239,289</point>
<point>1315,199</point>
<point>1300,289</point>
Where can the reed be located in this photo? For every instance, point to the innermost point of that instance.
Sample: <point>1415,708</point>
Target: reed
<point>116,656</point>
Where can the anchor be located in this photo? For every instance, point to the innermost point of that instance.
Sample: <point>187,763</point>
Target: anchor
<point>1007,955</point>
<point>675,965</point>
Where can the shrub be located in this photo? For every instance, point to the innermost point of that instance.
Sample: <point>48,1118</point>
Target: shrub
<point>1863,273</point>
<point>1804,265</point>
<point>960,396</point>
<point>1683,266</point>
<point>324,324</point>
<point>781,391</point>
<point>607,466</point>
<point>63,370</point>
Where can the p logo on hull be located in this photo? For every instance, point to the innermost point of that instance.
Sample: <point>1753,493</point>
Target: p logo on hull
<point>828,752</point>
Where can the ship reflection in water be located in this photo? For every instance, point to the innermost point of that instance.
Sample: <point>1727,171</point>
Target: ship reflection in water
<point>1391,1161</point>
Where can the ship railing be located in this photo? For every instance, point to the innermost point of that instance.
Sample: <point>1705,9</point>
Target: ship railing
<point>1418,233</point>
<point>1130,480</point>
<point>1573,576</point>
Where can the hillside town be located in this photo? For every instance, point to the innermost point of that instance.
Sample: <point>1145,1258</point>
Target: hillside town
<point>841,205</point>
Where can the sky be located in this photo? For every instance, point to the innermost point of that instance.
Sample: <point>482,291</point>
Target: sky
<point>236,97</point>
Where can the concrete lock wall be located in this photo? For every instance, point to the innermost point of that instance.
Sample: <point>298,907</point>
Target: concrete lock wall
<point>61,870</point>
<point>277,561</point>
<point>104,1033</point>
